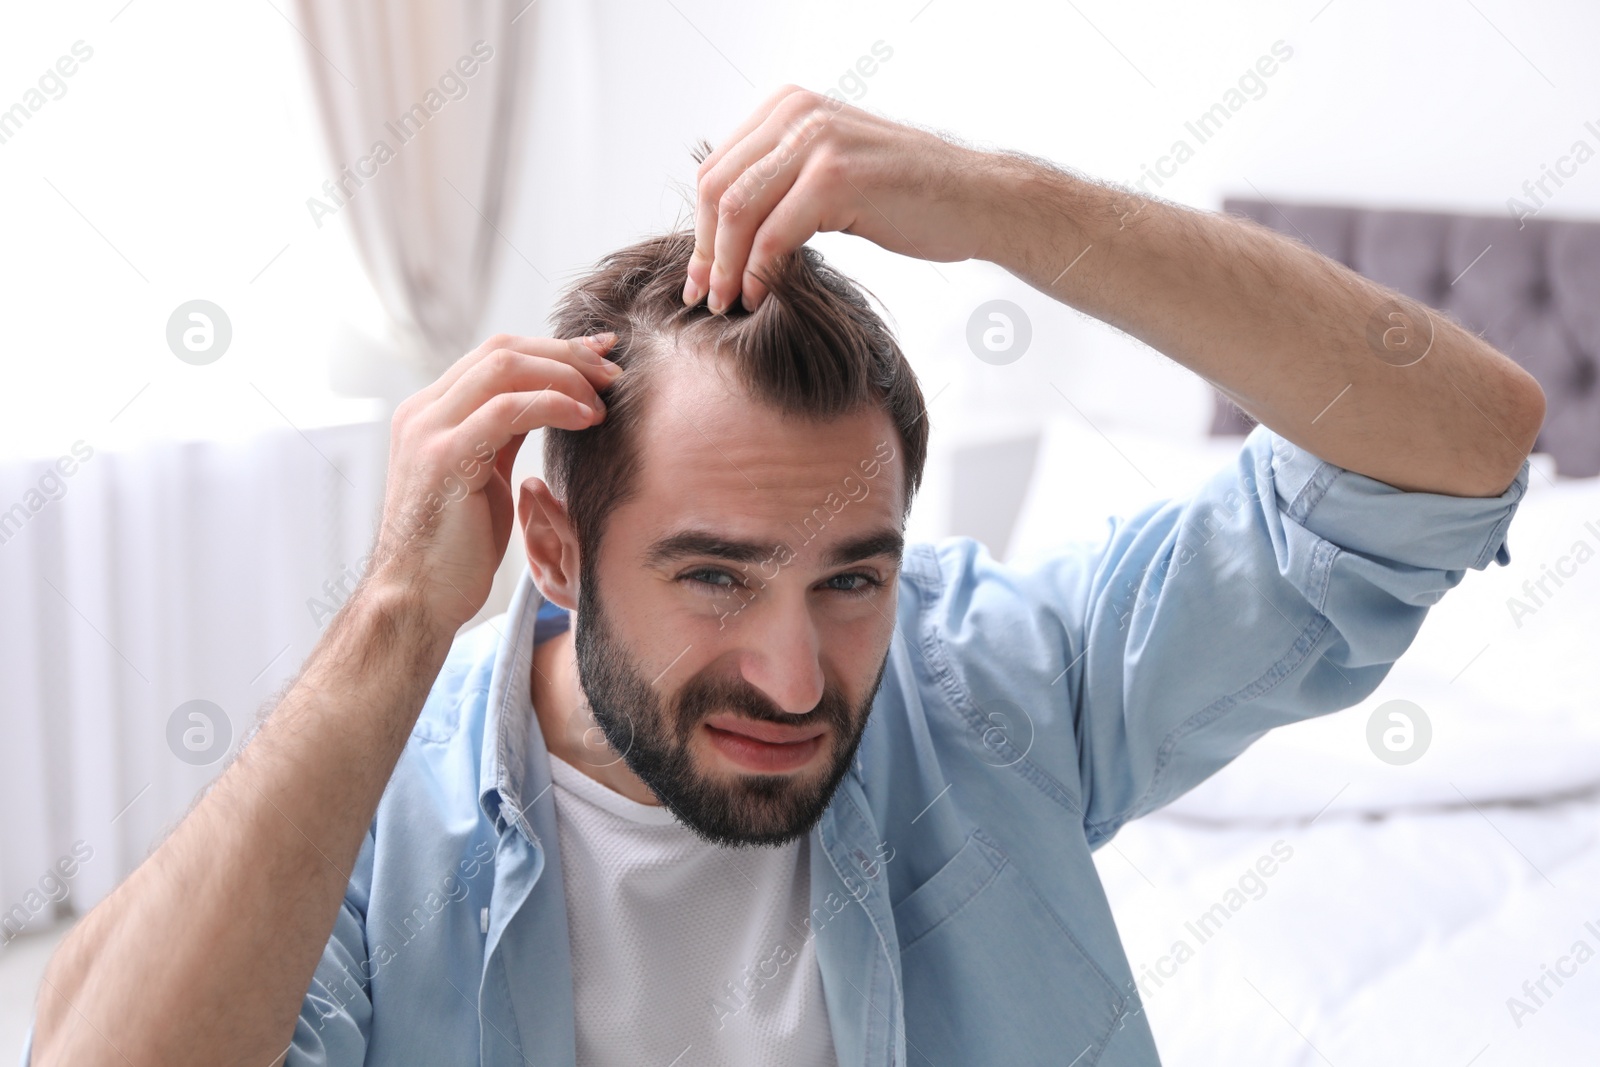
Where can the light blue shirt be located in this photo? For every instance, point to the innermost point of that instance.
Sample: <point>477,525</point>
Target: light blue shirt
<point>1025,715</point>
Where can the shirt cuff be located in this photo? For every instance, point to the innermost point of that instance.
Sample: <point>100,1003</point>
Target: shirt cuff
<point>1363,515</point>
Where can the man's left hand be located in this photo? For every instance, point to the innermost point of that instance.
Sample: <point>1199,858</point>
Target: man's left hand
<point>805,163</point>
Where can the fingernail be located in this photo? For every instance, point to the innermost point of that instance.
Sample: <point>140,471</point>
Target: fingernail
<point>714,302</point>
<point>603,338</point>
<point>691,293</point>
<point>611,368</point>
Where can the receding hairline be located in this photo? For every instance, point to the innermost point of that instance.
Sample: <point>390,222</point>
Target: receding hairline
<point>820,353</point>
<point>657,405</point>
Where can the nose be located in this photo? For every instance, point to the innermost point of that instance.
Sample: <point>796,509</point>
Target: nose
<point>781,656</point>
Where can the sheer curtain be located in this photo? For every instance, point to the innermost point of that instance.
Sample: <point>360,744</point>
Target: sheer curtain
<point>178,579</point>
<point>421,106</point>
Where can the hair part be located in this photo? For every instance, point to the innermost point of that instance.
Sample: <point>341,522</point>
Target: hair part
<point>813,348</point>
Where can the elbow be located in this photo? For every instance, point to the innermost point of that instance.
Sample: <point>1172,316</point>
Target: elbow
<point>1526,404</point>
<point>1533,412</point>
<point>1522,411</point>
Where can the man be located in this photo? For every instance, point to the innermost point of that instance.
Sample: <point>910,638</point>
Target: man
<point>789,792</point>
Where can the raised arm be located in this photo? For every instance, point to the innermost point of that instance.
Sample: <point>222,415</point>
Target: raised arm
<point>204,954</point>
<point>1347,369</point>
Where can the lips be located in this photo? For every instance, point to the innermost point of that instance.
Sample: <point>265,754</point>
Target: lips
<point>770,732</point>
<point>764,747</point>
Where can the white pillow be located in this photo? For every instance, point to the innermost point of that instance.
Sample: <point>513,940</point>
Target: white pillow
<point>1513,699</point>
<point>1081,478</point>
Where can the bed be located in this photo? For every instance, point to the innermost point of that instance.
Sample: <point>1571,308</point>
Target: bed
<point>1312,903</point>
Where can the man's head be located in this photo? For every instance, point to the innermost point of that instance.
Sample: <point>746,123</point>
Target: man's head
<point>729,534</point>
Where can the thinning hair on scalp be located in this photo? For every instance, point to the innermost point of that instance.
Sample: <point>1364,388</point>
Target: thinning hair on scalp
<point>814,348</point>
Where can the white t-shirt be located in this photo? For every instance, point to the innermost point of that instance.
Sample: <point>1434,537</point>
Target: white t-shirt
<point>684,953</point>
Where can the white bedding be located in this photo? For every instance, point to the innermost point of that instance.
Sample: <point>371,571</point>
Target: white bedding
<point>1387,940</point>
<point>1417,899</point>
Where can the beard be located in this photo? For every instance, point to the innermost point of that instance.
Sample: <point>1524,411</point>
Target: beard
<point>652,736</point>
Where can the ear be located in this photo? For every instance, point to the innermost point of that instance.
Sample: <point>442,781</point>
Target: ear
<point>551,543</point>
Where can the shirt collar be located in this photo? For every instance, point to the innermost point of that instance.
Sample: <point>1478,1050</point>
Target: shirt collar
<point>514,768</point>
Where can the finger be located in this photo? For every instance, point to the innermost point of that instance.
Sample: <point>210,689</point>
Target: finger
<point>756,184</point>
<point>769,182</point>
<point>512,415</point>
<point>577,351</point>
<point>788,226</point>
<point>710,184</point>
<point>502,509</point>
<point>506,458</point>
<point>580,352</point>
<point>507,370</point>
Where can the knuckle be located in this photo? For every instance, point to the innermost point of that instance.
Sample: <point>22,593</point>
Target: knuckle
<point>503,361</point>
<point>435,454</point>
<point>709,197</point>
<point>811,124</point>
<point>499,340</point>
<point>404,411</point>
<point>505,407</point>
<point>566,376</point>
<point>798,103</point>
<point>731,202</point>
<point>763,248</point>
<point>828,168</point>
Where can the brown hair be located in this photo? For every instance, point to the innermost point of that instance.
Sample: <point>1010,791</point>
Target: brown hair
<point>813,348</point>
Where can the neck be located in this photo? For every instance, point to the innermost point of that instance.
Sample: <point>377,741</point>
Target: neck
<point>568,726</point>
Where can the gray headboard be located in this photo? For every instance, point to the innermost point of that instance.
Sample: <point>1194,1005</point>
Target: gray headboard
<point>1534,295</point>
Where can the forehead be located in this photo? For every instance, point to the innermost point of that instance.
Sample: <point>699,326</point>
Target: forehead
<point>714,458</point>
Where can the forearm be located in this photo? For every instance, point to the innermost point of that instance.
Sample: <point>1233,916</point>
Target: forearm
<point>1296,339</point>
<point>205,953</point>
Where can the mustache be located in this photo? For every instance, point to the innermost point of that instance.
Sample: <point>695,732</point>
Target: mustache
<point>699,700</point>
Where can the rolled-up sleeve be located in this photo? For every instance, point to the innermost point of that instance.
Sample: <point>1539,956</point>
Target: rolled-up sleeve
<point>336,1015</point>
<point>1283,589</point>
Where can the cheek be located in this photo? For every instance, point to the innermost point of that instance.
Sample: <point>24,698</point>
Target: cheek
<point>701,613</point>
<point>857,638</point>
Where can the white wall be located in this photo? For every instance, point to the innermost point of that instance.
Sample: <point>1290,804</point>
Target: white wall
<point>173,164</point>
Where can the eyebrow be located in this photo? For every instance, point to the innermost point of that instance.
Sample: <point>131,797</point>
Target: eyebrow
<point>687,543</point>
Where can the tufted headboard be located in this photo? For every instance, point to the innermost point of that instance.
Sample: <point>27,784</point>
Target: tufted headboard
<point>1531,289</point>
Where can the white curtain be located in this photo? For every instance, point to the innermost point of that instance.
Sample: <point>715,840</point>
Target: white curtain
<point>421,105</point>
<point>150,578</point>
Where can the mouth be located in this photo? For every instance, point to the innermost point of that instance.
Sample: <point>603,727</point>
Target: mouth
<point>762,746</point>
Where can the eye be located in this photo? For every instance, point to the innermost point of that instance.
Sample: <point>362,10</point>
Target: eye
<point>864,583</point>
<point>710,580</point>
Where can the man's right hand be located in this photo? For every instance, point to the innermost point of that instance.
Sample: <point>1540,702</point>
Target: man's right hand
<point>239,901</point>
<point>448,507</point>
